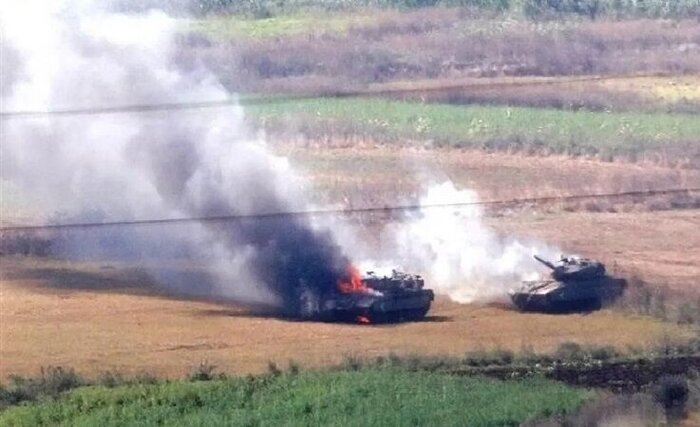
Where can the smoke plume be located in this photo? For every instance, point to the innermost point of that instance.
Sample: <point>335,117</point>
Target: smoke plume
<point>191,163</point>
<point>158,164</point>
<point>448,242</point>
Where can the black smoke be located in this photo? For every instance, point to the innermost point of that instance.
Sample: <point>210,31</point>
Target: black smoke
<point>152,165</point>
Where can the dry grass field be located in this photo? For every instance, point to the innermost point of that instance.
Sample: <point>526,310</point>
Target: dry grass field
<point>359,173</point>
<point>122,326</point>
<point>98,331</point>
<point>661,247</point>
<point>100,316</point>
<point>371,106</point>
<point>116,322</point>
<point>287,54</point>
<point>650,93</point>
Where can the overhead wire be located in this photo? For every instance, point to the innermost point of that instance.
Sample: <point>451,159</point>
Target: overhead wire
<point>139,108</point>
<point>262,99</point>
<point>135,108</point>
<point>366,210</point>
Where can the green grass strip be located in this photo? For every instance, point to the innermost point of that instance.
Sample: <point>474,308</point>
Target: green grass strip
<point>372,397</point>
<point>223,27</point>
<point>478,125</point>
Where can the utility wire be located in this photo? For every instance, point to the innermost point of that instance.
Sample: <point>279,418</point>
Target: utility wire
<point>262,99</point>
<point>137,108</point>
<point>145,108</point>
<point>385,209</point>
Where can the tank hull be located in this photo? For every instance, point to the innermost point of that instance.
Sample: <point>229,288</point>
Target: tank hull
<point>565,296</point>
<point>399,306</point>
<point>399,297</point>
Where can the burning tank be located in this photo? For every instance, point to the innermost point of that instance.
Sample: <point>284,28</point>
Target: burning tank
<point>369,299</point>
<point>575,284</point>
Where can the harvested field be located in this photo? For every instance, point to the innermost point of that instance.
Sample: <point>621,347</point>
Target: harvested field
<point>121,326</point>
<point>148,226</point>
<point>101,317</point>
<point>598,93</point>
<point>661,247</point>
<point>288,54</point>
<point>97,331</point>
<point>359,173</point>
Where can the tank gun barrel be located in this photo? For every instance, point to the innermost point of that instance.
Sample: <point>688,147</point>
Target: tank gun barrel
<point>545,262</point>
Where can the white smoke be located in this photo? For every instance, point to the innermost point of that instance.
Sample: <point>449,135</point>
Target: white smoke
<point>448,242</point>
<point>142,165</point>
<point>74,55</point>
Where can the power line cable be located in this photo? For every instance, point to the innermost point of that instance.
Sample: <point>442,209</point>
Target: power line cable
<point>262,99</point>
<point>164,107</point>
<point>136,108</point>
<point>385,209</point>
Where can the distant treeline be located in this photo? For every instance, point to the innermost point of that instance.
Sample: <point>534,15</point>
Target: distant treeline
<point>530,8</point>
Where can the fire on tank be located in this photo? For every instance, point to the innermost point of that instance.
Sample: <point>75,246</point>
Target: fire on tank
<point>575,284</point>
<point>369,299</point>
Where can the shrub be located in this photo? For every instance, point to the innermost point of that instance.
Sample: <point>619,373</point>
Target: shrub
<point>590,8</point>
<point>687,313</point>
<point>660,307</point>
<point>603,352</point>
<point>144,378</point>
<point>352,363</point>
<point>570,351</point>
<point>203,372</point>
<point>273,369</point>
<point>533,8</point>
<point>495,357</point>
<point>110,379</point>
<point>671,391</point>
<point>51,381</point>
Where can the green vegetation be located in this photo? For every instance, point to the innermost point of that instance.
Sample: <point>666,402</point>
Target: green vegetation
<point>387,396</point>
<point>491,127</point>
<point>532,8</point>
<point>227,26</point>
<point>618,8</point>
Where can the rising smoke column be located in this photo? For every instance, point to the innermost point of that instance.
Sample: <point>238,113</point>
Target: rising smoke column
<point>448,241</point>
<point>75,55</point>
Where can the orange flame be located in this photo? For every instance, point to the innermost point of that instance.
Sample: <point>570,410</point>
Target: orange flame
<point>352,283</point>
<point>364,320</point>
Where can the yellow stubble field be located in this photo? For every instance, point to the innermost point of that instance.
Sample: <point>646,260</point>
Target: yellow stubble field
<point>99,325</point>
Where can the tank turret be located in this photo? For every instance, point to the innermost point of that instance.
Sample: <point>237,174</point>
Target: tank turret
<point>545,262</point>
<point>574,268</point>
<point>575,283</point>
<point>372,298</point>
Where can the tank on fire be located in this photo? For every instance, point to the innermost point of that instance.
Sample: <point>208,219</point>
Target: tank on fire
<point>399,297</point>
<point>574,284</point>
